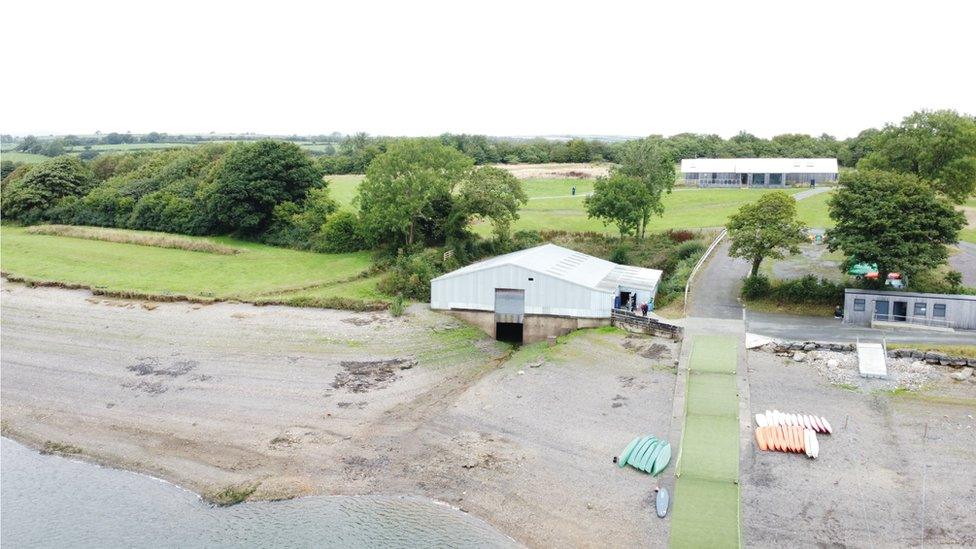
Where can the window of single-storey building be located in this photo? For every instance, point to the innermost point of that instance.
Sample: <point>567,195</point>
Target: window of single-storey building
<point>939,310</point>
<point>858,304</point>
<point>919,308</point>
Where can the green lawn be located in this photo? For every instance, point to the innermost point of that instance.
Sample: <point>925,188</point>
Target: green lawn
<point>26,158</point>
<point>343,188</point>
<point>813,211</point>
<point>258,273</point>
<point>119,147</point>
<point>683,209</point>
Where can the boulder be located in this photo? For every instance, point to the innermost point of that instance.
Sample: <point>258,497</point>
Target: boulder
<point>833,363</point>
<point>809,346</point>
<point>963,374</point>
<point>799,356</point>
<point>958,362</point>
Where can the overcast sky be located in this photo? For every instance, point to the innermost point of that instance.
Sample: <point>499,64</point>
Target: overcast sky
<point>494,67</point>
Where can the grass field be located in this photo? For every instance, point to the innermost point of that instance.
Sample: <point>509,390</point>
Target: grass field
<point>258,273</point>
<point>706,495</point>
<point>26,158</point>
<point>119,147</point>
<point>551,206</point>
<point>695,208</point>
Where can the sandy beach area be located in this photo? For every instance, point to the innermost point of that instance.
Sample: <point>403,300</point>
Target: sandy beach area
<point>278,402</point>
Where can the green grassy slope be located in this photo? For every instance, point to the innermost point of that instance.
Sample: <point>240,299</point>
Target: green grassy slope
<point>259,271</point>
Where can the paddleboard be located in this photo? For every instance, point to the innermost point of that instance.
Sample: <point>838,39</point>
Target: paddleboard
<point>807,446</point>
<point>820,425</point>
<point>641,446</point>
<point>760,420</point>
<point>622,460</point>
<point>769,418</point>
<point>806,422</point>
<point>662,459</point>
<point>826,425</point>
<point>663,499</point>
<point>815,446</point>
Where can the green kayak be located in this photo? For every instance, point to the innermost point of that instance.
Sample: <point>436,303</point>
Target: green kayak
<point>662,460</point>
<point>638,454</point>
<point>622,460</point>
<point>648,459</point>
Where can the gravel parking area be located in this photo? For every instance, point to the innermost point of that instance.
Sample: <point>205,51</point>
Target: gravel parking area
<point>897,472</point>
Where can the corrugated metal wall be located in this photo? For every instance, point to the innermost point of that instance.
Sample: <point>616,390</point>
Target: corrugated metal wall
<point>544,295</point>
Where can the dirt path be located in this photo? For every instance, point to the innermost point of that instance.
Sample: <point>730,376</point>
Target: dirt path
<point>291,402</point>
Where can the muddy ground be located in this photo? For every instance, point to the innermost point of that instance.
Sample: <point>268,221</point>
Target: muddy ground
<point>897,472</point>
<point>293,402</point>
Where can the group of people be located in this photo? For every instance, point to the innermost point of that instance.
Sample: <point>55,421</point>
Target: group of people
<point>633,306</point>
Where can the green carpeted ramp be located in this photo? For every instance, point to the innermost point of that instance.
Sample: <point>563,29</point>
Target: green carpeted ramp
<point>706,495</point>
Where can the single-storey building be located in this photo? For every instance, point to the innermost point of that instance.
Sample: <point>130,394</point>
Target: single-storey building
<point>886,308</point>
<point>542,291</point>
<point>758,172</point>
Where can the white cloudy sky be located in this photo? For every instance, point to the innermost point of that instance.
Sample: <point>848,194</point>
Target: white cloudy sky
<point>494,67</point>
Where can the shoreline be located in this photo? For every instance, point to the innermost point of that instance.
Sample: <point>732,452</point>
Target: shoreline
<point>289,402</point>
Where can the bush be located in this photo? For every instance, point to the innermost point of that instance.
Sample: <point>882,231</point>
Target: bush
<point>755,287</point>
<point>808,289</point>
<point>410,275</point>
<point>620,254</point>
<point>679,236</point>
<point>397,306</point>
<point>689,249</point>
<point>341,233</point>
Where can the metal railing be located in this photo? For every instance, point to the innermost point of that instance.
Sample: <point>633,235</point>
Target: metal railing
<point>909,319</point>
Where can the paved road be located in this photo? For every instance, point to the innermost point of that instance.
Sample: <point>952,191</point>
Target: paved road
<point>715,291</point>
<point>965,262</point>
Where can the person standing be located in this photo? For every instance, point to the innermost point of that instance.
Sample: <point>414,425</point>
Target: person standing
<point>644,309</point>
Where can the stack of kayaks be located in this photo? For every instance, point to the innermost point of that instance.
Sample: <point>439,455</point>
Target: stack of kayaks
<point>783,432</point>
<point>649,454</point>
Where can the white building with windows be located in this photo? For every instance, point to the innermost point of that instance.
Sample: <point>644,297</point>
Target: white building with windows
<point>547,290</point>
<point>758,172</point>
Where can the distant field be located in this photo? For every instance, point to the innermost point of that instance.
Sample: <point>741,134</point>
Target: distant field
<point>552,206</point>
<point>343,188</point>
<point>129,147</point>
<point>682,209</point>
<point>26,158</point>
<point>257,273</point>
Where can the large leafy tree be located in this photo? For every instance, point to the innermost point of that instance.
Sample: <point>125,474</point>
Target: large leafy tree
<point>493,194</point>
<point>409,188</point>
<point>29,194</point>
<point>253,178</point>
<point>895,220</point>
<point>765,228</point>
<point>937,146</point>
<point>622,200</point>
<point>652,164</point>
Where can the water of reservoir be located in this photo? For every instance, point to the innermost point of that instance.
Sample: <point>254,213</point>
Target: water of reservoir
<point>48,501</point>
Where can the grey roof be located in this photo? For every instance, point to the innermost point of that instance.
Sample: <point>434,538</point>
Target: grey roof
<point>572,266</point>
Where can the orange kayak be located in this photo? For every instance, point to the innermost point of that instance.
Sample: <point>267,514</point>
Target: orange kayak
<point>759,439</point>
